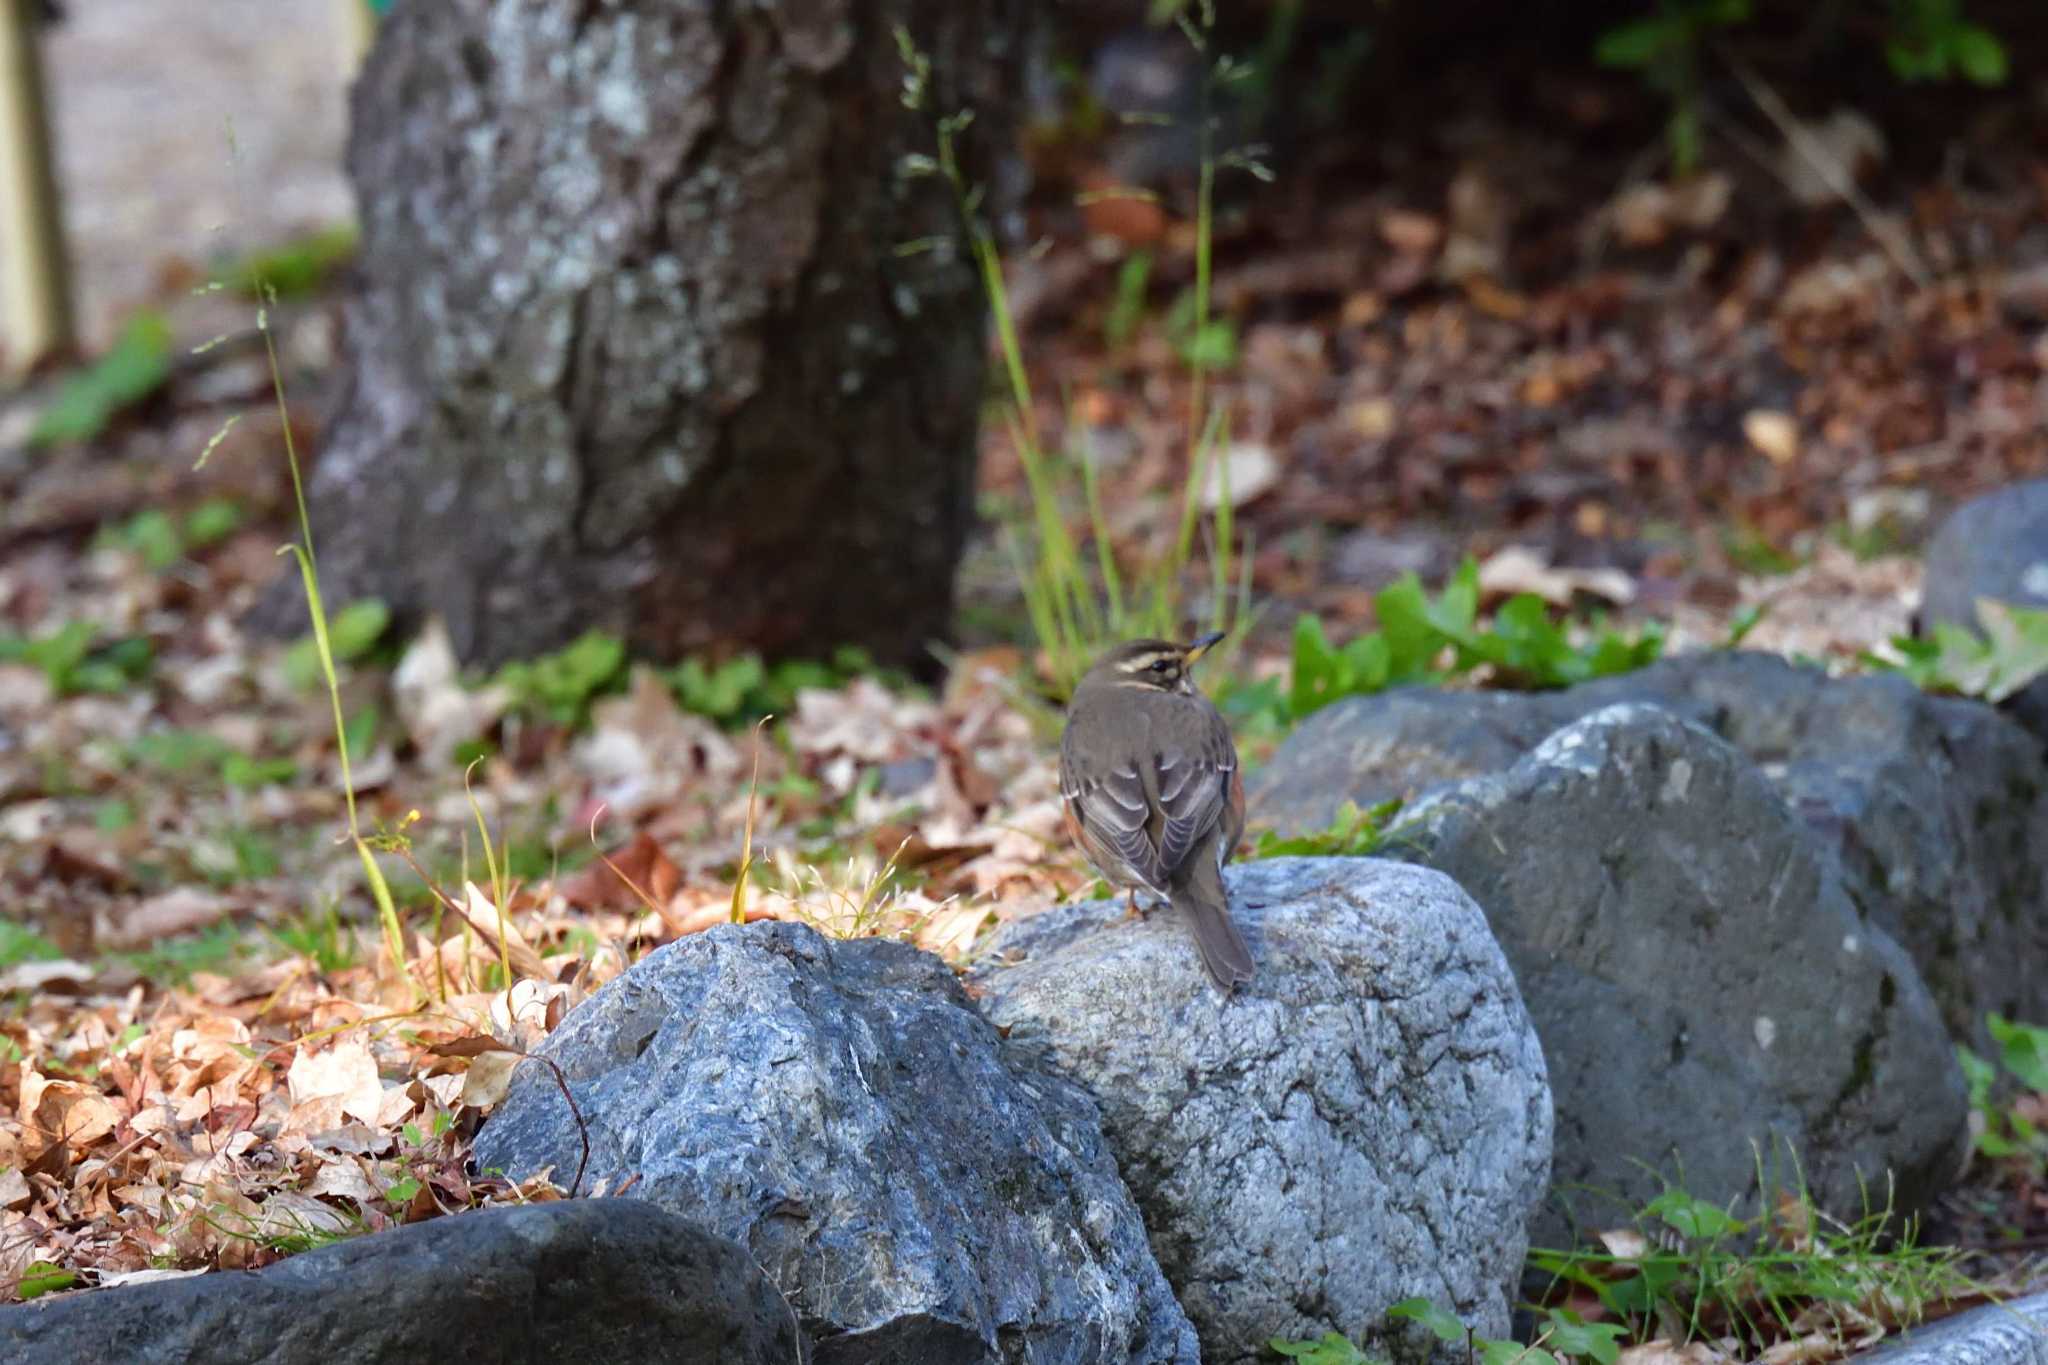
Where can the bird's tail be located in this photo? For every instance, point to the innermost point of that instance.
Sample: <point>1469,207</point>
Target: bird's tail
<point>1200,898</point>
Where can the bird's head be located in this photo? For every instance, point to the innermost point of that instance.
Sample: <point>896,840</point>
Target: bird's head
<point>1159,664</point>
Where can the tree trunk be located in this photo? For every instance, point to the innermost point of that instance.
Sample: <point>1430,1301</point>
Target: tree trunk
<point>634,346</point>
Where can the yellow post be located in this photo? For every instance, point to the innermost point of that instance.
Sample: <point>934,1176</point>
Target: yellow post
<point>35,276</point>
<point>359,23</point>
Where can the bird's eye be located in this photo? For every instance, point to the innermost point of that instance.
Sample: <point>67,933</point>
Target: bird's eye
<point>1162,665</point>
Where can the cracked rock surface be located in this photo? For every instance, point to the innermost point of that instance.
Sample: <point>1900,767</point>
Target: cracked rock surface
<point>1707,994</point>
<point>1368,1121</point>
<point>1932,810</point>
<point>916,1188</point>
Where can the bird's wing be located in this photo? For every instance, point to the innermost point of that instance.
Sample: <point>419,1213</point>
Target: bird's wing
<point>1108,799</point>
<point>1194,784</point>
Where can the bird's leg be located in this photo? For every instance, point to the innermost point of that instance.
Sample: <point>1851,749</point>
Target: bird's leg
<point>1131,906</point>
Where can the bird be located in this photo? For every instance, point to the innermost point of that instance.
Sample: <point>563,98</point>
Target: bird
<point>1149,781</point>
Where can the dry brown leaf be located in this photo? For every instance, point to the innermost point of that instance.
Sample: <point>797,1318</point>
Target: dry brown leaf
<point>488,1078</point>
<point>438,712</point>
<point>326,1086</point>
<point>1664,1352</point>
<point>1801,1350</point>
<point>1774,434</point>
<point>1410,232</point>
<point>1519,569</point>
<point>1625,1244</point>
<point>69,1113</point>
<point>173,912</point>
<point>499,932</point>
<point>1251,469</point>
<point>618,881</point>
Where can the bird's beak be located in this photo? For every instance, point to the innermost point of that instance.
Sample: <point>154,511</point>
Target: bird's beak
<point>1203,644</point>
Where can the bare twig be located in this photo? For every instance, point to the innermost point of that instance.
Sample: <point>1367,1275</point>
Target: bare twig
<point>475,1045</point>
<point>1833,174</point>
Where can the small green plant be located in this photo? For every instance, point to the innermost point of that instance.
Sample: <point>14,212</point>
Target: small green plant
<point>196,754</point>
<point>90,399</point>
<point>19,944</point>
<point>1203,343</point>
<point>1080,601</point>
<point>160,540</point>
<point>1664,48</point>
<point>297,267</point>
<point>743,688</point>
<point>75,658</point>
<point>172,961</point>
<point>1120,324</point>
<point>41,1278</point>
<point>1564,1335</point>
<point>1331,1349</point>
<point>1932,41</point>
<point>355,630</point>
<point>1924,40</point>
<point>2005,1129</point>
<point>236,857</point>
<point>1690,1270</point>
<point>2010,654</point>
<point>1355,833</point>
<point>1424,639</point>
<point>562,685</point>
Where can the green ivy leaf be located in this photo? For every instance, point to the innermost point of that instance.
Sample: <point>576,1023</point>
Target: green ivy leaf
<point>2023,1050</point>
<point>1332,1349</point>
<point>1635,46</point>
<point>1978,54</point>
<point>43,1278</point>
<point>1572,1335</point>
<point>1441,1322</point>
<point>135,368</point>
<point>1693,1219</point>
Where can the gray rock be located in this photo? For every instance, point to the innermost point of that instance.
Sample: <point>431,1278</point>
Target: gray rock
<point>582,1280</point>
<point>1707,995</point>
<point>1933,810</point>
<point>1367,1121</point>
<point>906,775</point>
<point>2013,1333</point>
<point>1995,546</point>
<point>839,1108</point>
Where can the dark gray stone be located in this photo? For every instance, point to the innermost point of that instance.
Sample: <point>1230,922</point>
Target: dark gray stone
<point>1933,810</point>
<point>1706,993</point>
<point>1367,1121</point>
<point>839,1108</point>
<point>582,1280</point>
<point>906,776</point>
<point>2013,1333</point>
<point>1995,546</point>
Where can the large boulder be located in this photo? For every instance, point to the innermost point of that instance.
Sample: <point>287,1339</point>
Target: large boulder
<point>582,1280</point>
<point>1993,547</point>
<point>1932,810</point>
<point>1710,999</point>
<point>1367,1121</point>
<point>917,1189</point>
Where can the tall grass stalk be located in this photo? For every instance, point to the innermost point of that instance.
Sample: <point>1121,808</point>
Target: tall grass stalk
<point>309,577</point>
<point>1076,606</point>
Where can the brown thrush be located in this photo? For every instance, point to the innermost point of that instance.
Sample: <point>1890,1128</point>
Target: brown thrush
<point>1149,776</point>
